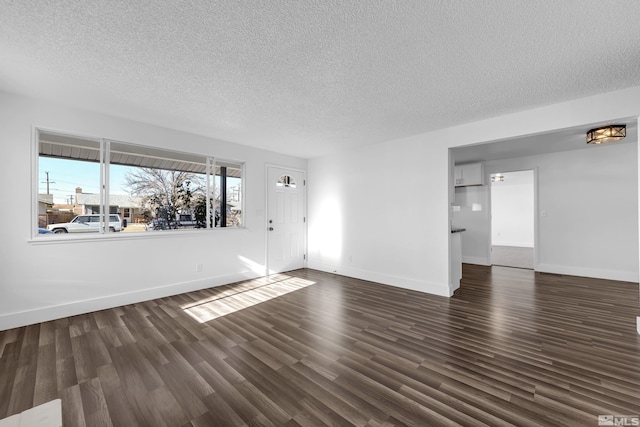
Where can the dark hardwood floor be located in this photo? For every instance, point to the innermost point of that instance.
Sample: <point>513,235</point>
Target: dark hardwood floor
<point>512,347</point>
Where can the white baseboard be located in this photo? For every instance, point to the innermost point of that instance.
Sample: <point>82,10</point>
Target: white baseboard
<point>625,276</point>
<point>45,314</point>
<point>386,279</point>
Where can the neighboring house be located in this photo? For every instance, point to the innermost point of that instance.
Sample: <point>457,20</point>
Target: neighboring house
<point>128,207</point>
<point>50,212</point>
<point>45,205</point>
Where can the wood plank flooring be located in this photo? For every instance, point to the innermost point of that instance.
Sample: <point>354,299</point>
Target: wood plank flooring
<point>512,347</point>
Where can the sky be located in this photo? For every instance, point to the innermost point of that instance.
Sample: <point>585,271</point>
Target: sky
<point>66,175</point>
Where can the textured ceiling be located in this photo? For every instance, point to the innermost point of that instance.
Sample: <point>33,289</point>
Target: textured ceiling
<point>310,77</point>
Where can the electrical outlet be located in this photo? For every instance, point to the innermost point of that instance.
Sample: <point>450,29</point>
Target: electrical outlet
<point>198,268</point>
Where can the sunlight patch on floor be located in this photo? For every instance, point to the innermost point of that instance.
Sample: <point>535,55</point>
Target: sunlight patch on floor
<point>243,296</point>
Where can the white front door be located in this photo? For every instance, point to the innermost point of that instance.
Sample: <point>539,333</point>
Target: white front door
<point>286,222</point>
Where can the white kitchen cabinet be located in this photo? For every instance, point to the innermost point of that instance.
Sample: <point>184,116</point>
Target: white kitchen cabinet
<point>469,174</point>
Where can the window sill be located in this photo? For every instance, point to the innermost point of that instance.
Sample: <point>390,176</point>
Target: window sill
<point>123,235</point>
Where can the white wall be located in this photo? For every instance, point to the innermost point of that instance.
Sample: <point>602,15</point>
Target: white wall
<point>43,281</point>
<point>371,213</point>
<point>512,206</point>
<point>391,200</point>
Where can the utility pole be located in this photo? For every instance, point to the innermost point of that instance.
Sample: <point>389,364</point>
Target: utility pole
<point>47,181</point>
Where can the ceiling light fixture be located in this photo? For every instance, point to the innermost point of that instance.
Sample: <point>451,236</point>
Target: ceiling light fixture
<point>606,134</point>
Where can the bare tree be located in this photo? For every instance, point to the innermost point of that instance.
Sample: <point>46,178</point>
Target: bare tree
<point>166,193</point>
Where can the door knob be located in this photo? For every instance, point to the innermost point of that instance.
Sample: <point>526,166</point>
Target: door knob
<point>270,228</point>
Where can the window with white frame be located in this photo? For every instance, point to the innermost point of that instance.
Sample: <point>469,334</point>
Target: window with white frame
<point>148,189</point>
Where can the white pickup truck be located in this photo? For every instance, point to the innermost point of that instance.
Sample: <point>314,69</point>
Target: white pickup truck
<point>86,224</point>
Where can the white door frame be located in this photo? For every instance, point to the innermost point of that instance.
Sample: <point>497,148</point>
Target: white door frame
<point>487,177</point>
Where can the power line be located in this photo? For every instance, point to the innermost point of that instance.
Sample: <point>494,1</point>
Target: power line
<point>47,181</point>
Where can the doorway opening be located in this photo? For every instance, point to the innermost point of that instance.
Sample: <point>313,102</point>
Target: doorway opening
<point>512,219</point>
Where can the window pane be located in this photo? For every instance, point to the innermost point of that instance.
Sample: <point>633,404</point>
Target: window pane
<point>228,182</point>
<point>148,188</point>
<point>155,189</point>
<point>68,181</point>
<point>286,181</point>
